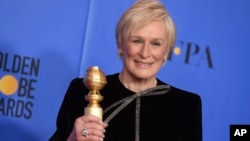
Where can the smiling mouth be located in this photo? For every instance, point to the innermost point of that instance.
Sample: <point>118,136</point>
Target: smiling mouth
<point>143,64</point>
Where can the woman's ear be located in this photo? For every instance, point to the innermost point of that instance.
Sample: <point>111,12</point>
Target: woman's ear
<point>164,60</point>
<point>165,57</point>
<point>119,53</point>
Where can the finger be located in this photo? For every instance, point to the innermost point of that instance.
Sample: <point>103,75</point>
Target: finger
<point>94,132</point>
<point>91,118</point>
<point>92,135</point>
<point>95,127</point>
<point>91,138</point>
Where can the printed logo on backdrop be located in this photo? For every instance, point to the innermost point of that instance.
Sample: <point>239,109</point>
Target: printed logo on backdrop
<point>18,80</point>
<point>191,53</point>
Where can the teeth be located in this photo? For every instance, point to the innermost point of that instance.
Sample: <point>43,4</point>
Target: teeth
<point>143,64</point>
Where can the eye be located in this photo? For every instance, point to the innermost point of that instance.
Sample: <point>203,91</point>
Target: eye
<point>136,41</point>
<point>156,43</point>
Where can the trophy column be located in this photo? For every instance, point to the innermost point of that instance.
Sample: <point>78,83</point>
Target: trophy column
<point>94,80</point>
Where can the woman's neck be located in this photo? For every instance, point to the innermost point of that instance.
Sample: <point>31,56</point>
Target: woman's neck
<point>135,84</point>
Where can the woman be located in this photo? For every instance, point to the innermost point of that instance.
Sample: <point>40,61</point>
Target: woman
<point>145,35</point>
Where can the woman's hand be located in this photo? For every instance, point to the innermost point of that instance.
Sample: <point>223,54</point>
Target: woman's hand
<point>88,128</point>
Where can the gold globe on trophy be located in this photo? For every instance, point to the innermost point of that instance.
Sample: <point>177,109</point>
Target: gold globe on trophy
<point>94,80</point>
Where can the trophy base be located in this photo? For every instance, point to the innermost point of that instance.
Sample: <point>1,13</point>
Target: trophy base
<point>95,111</point>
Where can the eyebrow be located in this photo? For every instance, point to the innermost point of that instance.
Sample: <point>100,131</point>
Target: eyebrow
<point>160,39</point>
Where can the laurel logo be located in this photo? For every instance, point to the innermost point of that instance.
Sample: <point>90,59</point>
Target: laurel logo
<point>8,85</point>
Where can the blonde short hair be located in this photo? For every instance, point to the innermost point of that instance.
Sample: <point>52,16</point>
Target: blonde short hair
<point>141,13</point>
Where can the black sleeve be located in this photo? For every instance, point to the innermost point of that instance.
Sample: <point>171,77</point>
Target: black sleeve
<point>197,119</point>
<point>191,118</point>
<point>71,108</point>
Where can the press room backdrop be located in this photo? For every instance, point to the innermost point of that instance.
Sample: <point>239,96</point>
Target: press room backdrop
<point>44,44</point>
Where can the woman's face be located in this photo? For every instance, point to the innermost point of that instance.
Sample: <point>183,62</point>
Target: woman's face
<point>145,50</point>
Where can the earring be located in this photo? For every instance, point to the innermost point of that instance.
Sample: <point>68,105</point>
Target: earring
<point>120,56</point>
<point>164,62</point>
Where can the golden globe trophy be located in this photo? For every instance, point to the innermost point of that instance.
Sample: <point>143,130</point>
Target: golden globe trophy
<point>94,80</point>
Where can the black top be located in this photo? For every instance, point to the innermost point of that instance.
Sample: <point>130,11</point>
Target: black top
<point>174,116</point>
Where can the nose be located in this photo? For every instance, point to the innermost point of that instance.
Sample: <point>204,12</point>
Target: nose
<point>145,51</point>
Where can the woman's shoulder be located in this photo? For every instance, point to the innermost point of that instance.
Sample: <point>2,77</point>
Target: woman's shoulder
<point>185,95</point>
<point>181,94</point>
